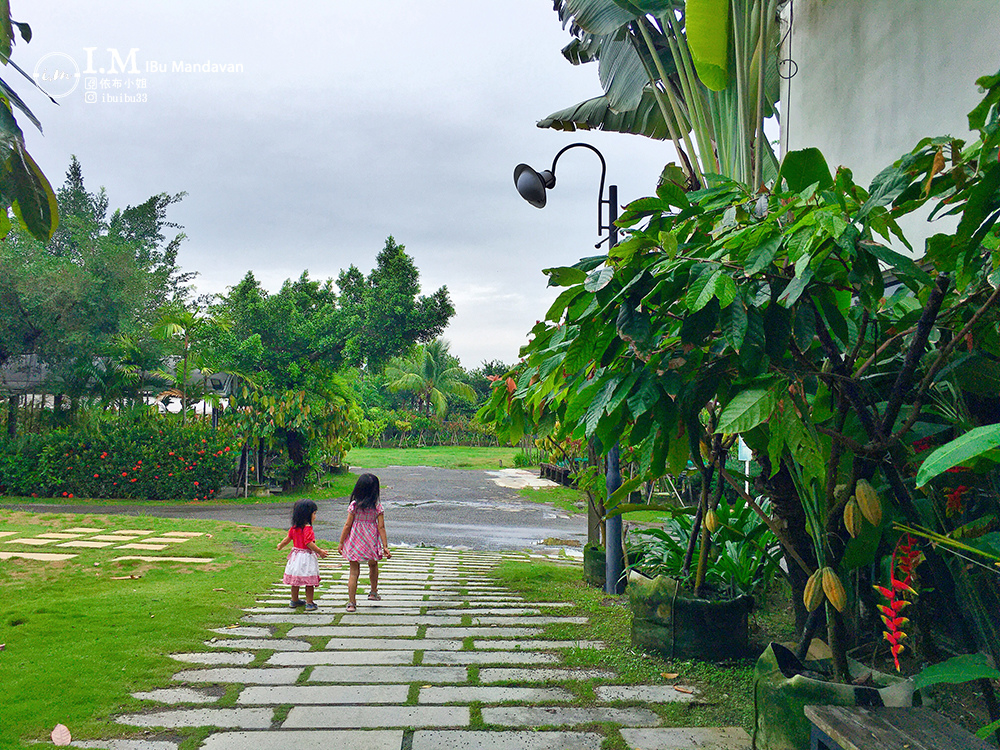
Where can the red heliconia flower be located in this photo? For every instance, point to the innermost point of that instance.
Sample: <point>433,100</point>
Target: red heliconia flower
<point>905,559</point>
<point>955,505</point>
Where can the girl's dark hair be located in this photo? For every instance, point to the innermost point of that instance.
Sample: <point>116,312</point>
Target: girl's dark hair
<point>365,492</point>
<point>302,513</point>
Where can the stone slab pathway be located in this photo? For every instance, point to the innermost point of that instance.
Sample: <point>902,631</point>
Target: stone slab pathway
<point>448,660</point>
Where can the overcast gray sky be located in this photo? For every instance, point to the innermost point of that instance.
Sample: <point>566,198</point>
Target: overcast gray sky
<point>348,122</point>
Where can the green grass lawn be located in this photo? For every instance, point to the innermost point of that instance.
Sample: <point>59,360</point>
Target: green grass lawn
<point>81,635</point>
<point>439,456</point>
<point>726,691</point>
<point>564,498</point>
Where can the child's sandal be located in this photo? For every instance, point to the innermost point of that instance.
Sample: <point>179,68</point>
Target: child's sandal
<point>351,607</point>
<point>375,597</point>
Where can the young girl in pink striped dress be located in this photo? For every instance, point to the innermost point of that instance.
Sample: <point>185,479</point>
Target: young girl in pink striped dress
<point>363,537</point>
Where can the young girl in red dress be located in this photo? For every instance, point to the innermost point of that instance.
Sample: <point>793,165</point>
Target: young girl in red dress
<point>363,537</point>
<point>302,568</point>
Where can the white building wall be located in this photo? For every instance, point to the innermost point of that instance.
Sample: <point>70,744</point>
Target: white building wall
<point>875,76</point>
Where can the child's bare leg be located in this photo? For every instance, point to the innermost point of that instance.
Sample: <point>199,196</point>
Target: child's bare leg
<point>309,594</point>
<point>373,576</point>
<point>295,593</point>
<point>352,581</point>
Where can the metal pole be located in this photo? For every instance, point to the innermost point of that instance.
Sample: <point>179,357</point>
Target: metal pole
<point>614,555</point>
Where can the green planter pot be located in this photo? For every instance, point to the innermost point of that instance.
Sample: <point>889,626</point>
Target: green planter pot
<point>781,694</point>
<point>593,565</point>
<point>670,622</point>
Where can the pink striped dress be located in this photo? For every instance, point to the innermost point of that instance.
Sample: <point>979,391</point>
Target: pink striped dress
<point>363,542</point>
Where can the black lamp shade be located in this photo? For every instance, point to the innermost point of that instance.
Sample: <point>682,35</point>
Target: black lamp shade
<point>531,185</point>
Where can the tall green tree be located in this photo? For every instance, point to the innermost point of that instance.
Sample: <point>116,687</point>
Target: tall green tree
<point>384,312</point>
<point>432,375</point>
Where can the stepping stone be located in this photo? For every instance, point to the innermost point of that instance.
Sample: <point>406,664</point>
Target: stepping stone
<point>489,657</point>
<point>291,617</point>
<point>132,532</point>
<point>40,556</point>
<point>423,675</point>
<point>177,533</point>
<point>533,716</point>
<point>528,620</point>
<point>30,541</point>
<point>486,632</point>
<point>502,674</point>
<point>687,738</point>
<point>238,718</point>
<point>425,739</point>
<point>306,740</point>
<point>164,540</point>
<point>14,533</point>
<point>151,547</point>
<point>216,657</point>
<point>278,644</point>
<point>244,632</point>
<point>176,695</point>
<point>346,631</point>
<point>645,693</point>
<point>353,618</point>
<point>84,530</point>
<point>310,658</point>
<point>86,544</point>
<point>390,644</point>
<point>259,676</point>
<point>49,535</point>
<point>126,744</point>
<point>146,558</point>
<point>323,694</point>
<point>360,717</point>
<point>483,694</point>
<point>113,538</point>
<point>515,645</point>
<point>476,611</point>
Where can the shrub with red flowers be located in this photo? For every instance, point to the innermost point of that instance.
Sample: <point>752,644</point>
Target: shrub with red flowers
<point>153,459</point>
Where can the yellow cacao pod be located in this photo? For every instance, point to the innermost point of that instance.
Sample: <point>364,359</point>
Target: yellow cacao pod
<point>812,595</point>
<point>852,517</point>
<point>834,589</point>
<point>868,502</point>
<point>712,521</point>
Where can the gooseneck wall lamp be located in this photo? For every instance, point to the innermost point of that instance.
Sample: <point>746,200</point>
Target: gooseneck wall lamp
<point>531,185</point>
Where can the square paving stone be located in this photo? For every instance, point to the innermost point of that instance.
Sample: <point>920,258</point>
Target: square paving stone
<point>126,744</point>
<point>645,693</point>
<point>504,674</point>
<point>488,657</point>
<point>84,530</point>
<point>399,674</point>
<point>687,738</point>
<point>183,533</point>
<point>310,658</point>
<point>260,676</point>
<point>344,739</point>
<point>85,544</point>
<point>164,558</point>
<point>394,644</point>
<point>484,694</point>
<point>217,657</point>
<point>527,620</point>
<point>359,717</point>
<point>30,541</point>
<point>482,632</point>
<point>536,716</point>
<point>114,537</point>
<point>323,694</point>
<point>176,695</point>
<point>39,556</point>
<point>298,619</point>
<point>426,739</point>
<point>164,540</point>
<point>132,532</point>
<point>13,533</point>
<point>353,618</point>
<point>48,535</point>
<point>346,631</point>
<point>278,644</point>
<point>240,718</point>
<point>142,546</point>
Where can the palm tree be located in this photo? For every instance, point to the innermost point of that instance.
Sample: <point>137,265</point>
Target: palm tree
<point>432,374</point>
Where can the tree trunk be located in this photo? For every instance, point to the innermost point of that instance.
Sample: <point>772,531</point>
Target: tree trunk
<point>298,460</point>
<point>12,402</point>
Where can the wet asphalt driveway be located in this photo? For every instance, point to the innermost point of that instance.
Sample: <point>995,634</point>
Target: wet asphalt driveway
<point>435,507</point>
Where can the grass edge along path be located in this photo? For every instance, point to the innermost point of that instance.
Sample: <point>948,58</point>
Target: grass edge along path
<point>726,691</point>
<point>80,635</point>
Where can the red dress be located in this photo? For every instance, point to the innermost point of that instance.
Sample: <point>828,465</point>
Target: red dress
<point>302,568</point>
<point>363,541</point>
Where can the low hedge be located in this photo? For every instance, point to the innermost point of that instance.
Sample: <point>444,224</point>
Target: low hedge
<point>153,459</point>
